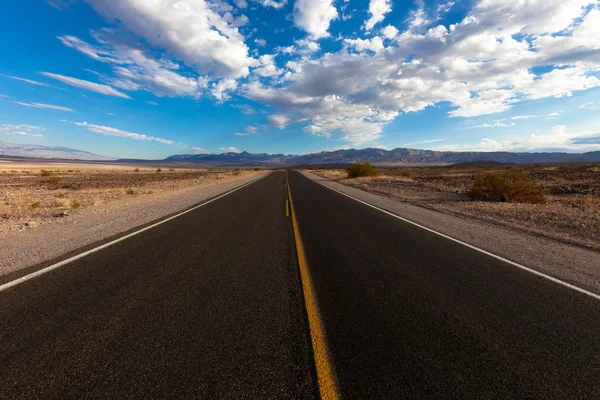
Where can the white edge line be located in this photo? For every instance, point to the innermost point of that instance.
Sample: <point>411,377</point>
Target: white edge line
<point>540,274</point>
<point>105,245</point>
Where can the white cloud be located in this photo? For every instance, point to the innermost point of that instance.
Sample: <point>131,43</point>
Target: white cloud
<point>22,130</point>
<point>260,42</point>
<point>389,32</point>
<point>134,70</point>
<point>481,65</point>
<point>590,105</point>
<point>495,124</point>
<point>198,149</point>
<point>108,131</point>
<point>558,138</point>
<point>241,3</point>
<point>230,149</point>
<point>46,106</point>
<point>152,103</point>
<point>378,9</point>
<point>221,90</point>
<point>273,3</point>
<point>194,31</point>
<point>314,16</point>
<point>31,82</point>
<point>87,85</point>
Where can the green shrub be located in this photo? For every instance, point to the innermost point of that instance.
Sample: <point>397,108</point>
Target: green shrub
<point>54,179</point>
<point>508,186</point>
<point>35,205</point>
<point>46,173</point>
<point>362,168</point>
<point>75,204</point>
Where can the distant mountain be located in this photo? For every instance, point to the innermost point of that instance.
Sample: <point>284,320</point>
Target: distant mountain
<point>37,151</point>
<point>379,156</point>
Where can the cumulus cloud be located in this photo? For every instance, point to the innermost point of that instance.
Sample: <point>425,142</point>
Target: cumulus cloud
<point>314,16</point>
<point>108,131</point>
<point>46,106</point>
<point>221,90</point>
<point>194,31</point>
<point>378,9</point>
<point>87,85</point>
<point>481,65</point>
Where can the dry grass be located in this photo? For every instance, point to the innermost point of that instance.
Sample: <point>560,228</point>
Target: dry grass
<point>571,210</point>
<point>36,193</point>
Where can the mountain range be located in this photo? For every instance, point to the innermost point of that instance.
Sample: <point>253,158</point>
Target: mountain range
<point>377,156</point>
<point>38,151</point>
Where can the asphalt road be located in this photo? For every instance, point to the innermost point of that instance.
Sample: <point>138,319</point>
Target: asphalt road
<point>210,305</point>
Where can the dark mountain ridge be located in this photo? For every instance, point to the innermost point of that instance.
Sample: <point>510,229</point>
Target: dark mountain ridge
<point>379,156</point>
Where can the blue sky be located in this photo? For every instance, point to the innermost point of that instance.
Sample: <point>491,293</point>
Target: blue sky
<point>148,79</point>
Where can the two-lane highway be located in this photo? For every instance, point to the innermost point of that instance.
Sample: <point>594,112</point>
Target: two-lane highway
<point>211,304</point>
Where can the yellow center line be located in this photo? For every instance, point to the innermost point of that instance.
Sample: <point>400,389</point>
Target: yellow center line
<point>327,380</point>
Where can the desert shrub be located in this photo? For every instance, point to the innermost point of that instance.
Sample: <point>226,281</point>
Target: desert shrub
<point>406,173</point>
<point>159,170</point>
<point>35,204</point>
<point>257,169</point>
<point>46,173</point>
<point>237,171</point>
<point>136,170</point>
<point>131,191</point>
<point>361,168</point>
<point>508,186</point>
<point>62,203</point>
<point>75,204</point>
<point>54,179</point>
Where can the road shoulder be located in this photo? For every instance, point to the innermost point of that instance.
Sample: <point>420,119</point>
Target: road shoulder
<point>572,264</point>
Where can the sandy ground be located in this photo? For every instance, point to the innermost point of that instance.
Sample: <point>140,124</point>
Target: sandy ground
<point>23,246</point>
<point>571,263</point>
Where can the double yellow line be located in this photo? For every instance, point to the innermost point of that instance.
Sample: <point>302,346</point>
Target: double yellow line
<point>327,380</point>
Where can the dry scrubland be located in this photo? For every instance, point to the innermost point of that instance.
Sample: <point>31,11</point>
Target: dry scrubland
<point>31,196</point>
<point>569,211</point>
